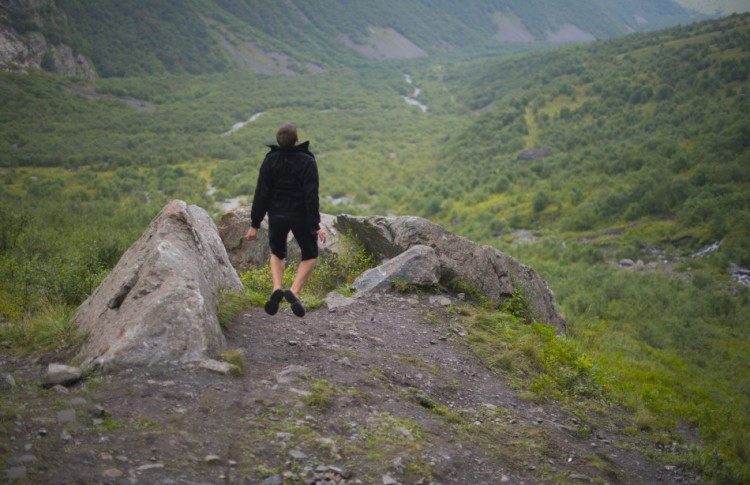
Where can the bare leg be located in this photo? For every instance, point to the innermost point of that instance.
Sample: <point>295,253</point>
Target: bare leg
<point>277,271</point>
<point>304,271</point>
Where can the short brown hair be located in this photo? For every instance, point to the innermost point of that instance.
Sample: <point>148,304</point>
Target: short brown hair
<point>286,136</point>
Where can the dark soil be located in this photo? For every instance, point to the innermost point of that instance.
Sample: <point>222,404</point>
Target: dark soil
<point>382,391</point>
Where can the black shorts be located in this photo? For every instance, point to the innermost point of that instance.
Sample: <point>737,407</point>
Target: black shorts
<point>306,236</point>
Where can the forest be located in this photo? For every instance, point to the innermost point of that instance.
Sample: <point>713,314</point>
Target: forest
<point>649,159</point>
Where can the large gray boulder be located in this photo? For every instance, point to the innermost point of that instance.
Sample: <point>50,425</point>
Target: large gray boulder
<point>245,254</point>
<point>495,274</point>
<point>159,304</point>
<point>417,265</point>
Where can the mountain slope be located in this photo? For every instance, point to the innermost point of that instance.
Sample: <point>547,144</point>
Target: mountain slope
<point>126,38</point>
<point>646,131</point>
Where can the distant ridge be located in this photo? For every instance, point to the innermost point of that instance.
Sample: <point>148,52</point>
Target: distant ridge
<point>129,38</point>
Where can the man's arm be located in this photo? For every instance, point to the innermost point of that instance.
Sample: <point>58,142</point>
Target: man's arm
<point>310,191</point>
<point>262,196</point>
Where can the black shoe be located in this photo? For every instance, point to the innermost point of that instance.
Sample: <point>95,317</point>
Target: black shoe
<point>297,307</point>
<point>272,305</point>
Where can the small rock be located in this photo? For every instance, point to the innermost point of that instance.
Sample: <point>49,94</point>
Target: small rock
<point>297,455</point>
<point>16,473</point>
<point>97,411</point>
<point>112,473</point>
<point>216,366</point>
<point>7,382</point>
<point>389,480</point>
<point>77,402</point>
<point>65,436</point>
<point>273,480</point>
<point>212,460</point>
<point>66,416</point>
<point>291,374</point>
<point>406,433</point>
<point>440,300</point>
<point>62,375</point>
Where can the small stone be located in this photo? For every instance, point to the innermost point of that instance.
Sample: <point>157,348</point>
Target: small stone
<point>97,411</point>
<point>7,382</point>
<point>273,480</point>
<point>212,460</point>
<point>297,455</point>
<point>65,436</point>
<point>42,432</point>
<point>63,375</point>
<point>16,473</point>
<point>77,402</point>
<point>112,473</point>
<point>389,480</point>
<point>66,416</point>
<point>217,366</point>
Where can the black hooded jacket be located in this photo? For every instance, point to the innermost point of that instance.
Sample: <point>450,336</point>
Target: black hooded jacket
<point>287,186</point>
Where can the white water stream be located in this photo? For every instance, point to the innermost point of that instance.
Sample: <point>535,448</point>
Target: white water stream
<point>412,100</point>
<point>240,124</point>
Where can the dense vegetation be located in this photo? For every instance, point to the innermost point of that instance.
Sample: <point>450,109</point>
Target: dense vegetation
<point>650,152</point>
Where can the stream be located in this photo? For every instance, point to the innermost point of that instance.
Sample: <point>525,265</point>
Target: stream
<point>412,100</point>
<point>240,124</point>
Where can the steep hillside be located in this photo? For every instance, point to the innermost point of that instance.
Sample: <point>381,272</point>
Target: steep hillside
<point>127,38</point>
<point>647,134</point>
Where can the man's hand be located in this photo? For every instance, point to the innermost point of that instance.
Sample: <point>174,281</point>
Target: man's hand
<point>252,234</point>
<point>321,235</point>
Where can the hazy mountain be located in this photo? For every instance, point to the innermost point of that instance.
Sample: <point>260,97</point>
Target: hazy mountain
<point>86,38</point>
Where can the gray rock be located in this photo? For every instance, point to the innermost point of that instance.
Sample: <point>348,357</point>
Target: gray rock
<point>244,254</point>
<point>16,473</point>
<point>273,480</point>
<point>7,382</point>
<point>66,416</point>
<point>495,274</point>
<point>159,304</point>
<point>212,460</point>
<point>336,300</point>
<point>291,374</point>
<point>440,300</point>
<point>417,265</point>
<point>62,375</point>
<point>217,366</point>
<point>297,454</point>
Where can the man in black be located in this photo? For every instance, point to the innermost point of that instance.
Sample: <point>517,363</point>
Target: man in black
<point>287,190</point>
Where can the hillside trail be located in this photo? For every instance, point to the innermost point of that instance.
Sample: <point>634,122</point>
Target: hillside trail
<point>382,391</point>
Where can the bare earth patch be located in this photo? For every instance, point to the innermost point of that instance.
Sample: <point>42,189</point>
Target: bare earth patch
<point>383,391</point>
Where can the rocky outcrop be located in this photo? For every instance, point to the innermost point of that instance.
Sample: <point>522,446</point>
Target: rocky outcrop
<point>492,272</point>
<point>159,304</point>
<point>22,51</point>
<point>245,254</point>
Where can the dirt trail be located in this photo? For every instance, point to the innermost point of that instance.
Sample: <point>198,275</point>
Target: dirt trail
<point>383,391</point>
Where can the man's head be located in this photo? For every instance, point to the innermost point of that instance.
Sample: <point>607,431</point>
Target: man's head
<point>286,136</point>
